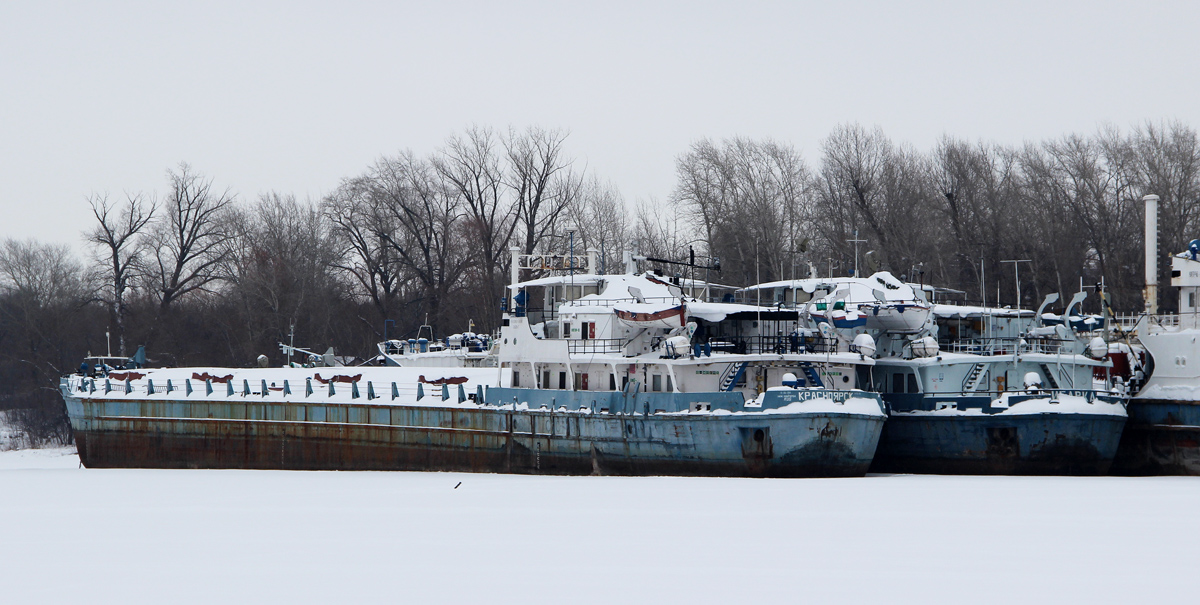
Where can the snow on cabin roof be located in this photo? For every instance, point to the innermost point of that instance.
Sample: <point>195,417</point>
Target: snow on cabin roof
<point>693,284</point>
<point>712,312</point>
<point>615,287</point>
<point>580,279</point>
<point>860,287</point>
<point>715,312</point>
<point>964,311</point>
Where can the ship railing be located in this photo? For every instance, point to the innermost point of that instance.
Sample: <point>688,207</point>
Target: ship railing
<point>578,346</point>
<point>779,345</point>
<point>1008,345</point>
<point>608,302</point>
<point>1176,321</point>
<point>1127,321</point>
<point>1090,393</point>
<point>262,388</point>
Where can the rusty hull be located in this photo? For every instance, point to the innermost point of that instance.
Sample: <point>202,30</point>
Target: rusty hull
<point>1032,444</point>
<point>1161,438</point>
<point>245,434</point>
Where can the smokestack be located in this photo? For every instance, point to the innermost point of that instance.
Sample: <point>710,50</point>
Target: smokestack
<point>1150,294</point>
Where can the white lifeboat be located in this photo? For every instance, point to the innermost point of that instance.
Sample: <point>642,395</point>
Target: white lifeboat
<point>650,315</point>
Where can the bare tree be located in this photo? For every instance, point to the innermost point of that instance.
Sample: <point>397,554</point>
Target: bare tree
<point>429,240</point>
<point>541,179</point>
<point>471,167</point>
<point>42,324</point>
<point>603,221</point>
<point>362,228</point>
<point>281,275</point>
<point>188,241</point>
<point>117,239</point>
<point>749,202</point>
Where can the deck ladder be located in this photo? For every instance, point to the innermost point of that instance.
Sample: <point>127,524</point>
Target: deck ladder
<point>1049,376</point>
<point>974,378</point>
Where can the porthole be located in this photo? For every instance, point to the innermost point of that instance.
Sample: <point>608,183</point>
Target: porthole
<point>845,379</point>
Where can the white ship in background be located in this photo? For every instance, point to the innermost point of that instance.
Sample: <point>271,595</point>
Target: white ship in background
<point>1163,434</point>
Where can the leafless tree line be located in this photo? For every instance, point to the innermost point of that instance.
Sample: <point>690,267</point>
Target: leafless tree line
<point>950,216</point>
<point>199,276</point>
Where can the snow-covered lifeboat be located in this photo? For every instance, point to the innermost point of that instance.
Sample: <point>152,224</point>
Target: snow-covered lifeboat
<point>839,317</point>
<point>650,315</point>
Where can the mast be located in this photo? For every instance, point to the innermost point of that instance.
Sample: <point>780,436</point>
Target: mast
<point>1150,294</point>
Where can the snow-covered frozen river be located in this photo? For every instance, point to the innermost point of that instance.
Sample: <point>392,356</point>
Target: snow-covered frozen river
<point>154,536</point>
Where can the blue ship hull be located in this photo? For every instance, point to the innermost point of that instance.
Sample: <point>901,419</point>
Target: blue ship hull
<point>1032,444</point>
<point>1161,438</point>
<point>639,441</point>
<point>242,432</point>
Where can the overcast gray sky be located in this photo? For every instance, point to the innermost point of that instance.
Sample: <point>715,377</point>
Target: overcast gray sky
<point>104,97</point>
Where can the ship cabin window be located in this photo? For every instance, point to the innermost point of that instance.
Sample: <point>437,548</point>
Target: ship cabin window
<point>580,382</point>
<point>656,382</point>
<point>566,333</point>
<point>669,389</point>
<point>562,380</point>
<point>912,384</point>
<point>624,382</point>
<point>546,379</point>
<point>516,378</point>
<point>898,382</point>
<point>612,381</point>
<point>1192,299</point>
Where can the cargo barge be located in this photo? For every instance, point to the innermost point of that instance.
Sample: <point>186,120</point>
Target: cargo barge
<point>601,383</point>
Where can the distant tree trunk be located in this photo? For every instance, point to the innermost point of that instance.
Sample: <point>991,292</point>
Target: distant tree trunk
<point>118,236</point>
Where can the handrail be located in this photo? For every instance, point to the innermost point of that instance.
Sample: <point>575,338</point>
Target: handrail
<point>1006,345</point>
<point>595,345</point>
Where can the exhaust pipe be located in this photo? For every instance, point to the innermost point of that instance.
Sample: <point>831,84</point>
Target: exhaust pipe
<point>1150,293</point>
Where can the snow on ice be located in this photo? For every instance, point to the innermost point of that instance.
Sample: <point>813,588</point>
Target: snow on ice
<point>155,536</point>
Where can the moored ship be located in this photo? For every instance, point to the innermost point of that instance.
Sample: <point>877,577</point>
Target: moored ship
<point>734,401</point>
<point>1163,435</point>
<point>974,390</point>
